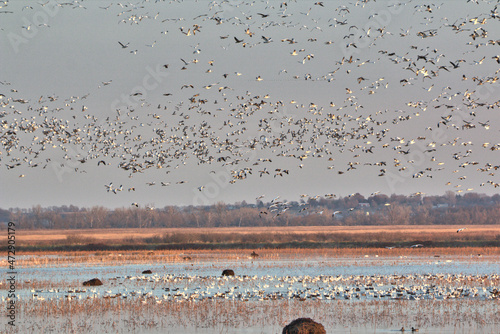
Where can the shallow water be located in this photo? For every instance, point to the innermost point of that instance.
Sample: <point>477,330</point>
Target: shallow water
<point>369,285</point>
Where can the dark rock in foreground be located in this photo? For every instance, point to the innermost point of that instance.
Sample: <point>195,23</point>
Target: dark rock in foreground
<point>147,272</point>
<point>228,272</point>
<point>304,326</point>
<point>92,282</point>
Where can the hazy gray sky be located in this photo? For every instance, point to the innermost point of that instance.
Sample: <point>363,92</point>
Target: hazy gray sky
<point>362,124</point>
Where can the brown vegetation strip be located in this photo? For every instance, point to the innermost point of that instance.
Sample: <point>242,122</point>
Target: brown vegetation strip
<point>123,233</point>
<point>231,316</point>
<point>248,238</point>
<point>39,259</point>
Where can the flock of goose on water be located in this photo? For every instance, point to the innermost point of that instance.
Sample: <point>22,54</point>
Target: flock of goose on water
<point>208,115</point>
<point>182,288</point>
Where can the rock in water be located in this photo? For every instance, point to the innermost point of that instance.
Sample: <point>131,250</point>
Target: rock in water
<point>304,326</point>
<point>147,272</point>
<point>93,282</point>
<point>228,272</point>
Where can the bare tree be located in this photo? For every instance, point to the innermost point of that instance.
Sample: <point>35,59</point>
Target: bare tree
<point>398,214</point>
<point>95,217</point>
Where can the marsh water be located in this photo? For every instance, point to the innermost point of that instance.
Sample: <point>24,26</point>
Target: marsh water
<point>358,294</point>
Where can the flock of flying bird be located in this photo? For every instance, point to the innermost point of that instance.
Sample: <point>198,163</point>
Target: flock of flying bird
<point>451,98</point>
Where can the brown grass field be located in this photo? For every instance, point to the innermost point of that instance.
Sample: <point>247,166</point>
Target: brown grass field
<point>123,233</point>
<point>365,233</point>
<point>139,245</point>
<point>191,257</point>
<point>113,315</point>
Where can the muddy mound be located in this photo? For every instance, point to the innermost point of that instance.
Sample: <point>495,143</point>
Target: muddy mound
<point>304,326</point>
<point>227,272</point>
<point>92,282</point>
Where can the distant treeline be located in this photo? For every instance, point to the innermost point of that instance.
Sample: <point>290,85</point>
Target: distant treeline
<point>468,209</point>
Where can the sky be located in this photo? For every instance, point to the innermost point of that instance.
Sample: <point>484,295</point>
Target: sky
<point>209,101</point>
